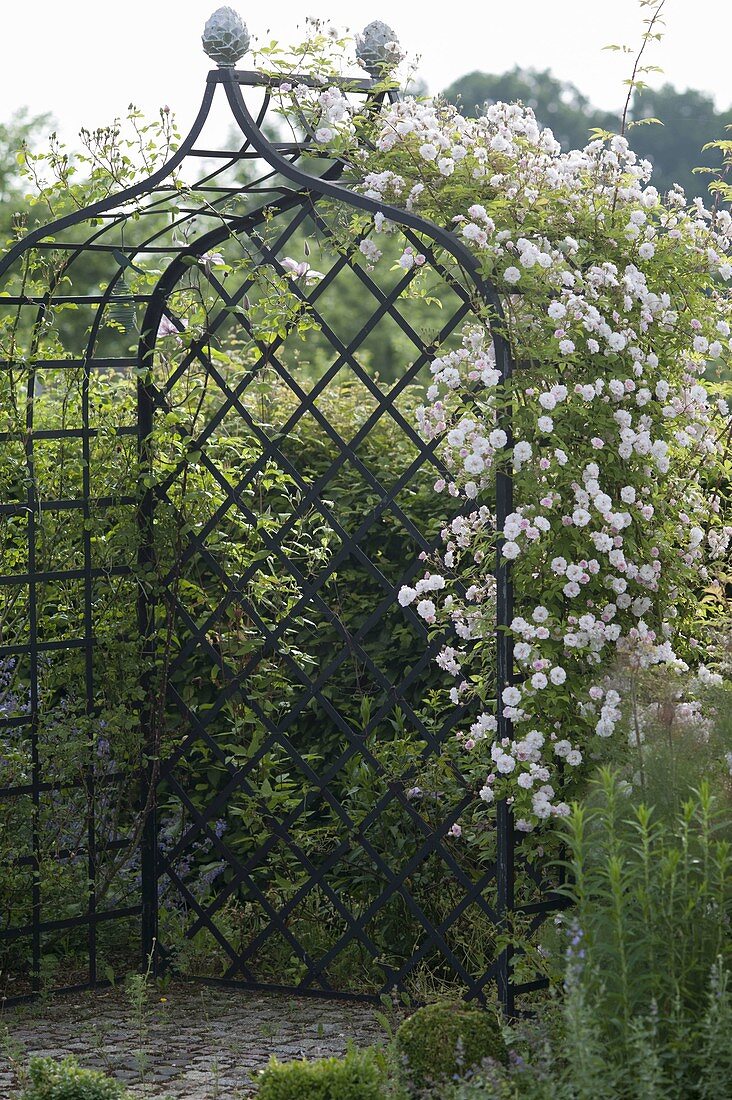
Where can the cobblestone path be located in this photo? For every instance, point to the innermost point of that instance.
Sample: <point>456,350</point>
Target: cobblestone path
<point>196,1043</point>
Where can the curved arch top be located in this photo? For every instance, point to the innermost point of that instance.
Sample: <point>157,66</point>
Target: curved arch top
<point>326,184</point>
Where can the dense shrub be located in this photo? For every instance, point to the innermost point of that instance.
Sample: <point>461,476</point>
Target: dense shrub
<point>357,1076</point>
<point>442,1040</point>
<point>66,1080</point>
<point>652,902</point>
<point>643,956</point>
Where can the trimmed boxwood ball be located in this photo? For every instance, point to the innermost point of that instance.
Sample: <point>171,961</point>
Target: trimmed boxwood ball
<point>67,1080</point>
<point>359,1075</point>
<point>444,1039</point>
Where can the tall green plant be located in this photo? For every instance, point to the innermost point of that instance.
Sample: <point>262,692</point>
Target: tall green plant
<point>653,901</point>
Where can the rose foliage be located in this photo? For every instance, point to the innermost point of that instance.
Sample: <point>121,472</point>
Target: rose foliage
<point>617,310</point>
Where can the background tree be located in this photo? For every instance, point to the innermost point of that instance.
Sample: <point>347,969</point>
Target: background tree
<point>556,103</point>
<point>689,119</point>
<point>20,129</point>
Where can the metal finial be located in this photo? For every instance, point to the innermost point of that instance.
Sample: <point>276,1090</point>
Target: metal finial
<point>225,37</point>
<point>377,48</point>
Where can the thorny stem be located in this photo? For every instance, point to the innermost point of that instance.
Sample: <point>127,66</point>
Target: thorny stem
<point>632,82</point>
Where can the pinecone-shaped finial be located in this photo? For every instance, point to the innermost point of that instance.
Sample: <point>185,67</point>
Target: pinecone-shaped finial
<point>377,49</point>
<point>225,37</point>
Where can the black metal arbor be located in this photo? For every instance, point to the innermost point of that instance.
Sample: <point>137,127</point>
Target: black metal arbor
<point>243,497</point>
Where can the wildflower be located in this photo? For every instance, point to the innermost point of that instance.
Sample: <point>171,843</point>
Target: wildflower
<point>168,327</point>
<point>301,270</point>
<point>211,259</point>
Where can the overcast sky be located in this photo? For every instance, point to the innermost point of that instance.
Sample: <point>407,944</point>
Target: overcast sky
<point>85,60</point>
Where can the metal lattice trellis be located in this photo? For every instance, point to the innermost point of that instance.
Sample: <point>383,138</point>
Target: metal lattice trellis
<point>223,650</point>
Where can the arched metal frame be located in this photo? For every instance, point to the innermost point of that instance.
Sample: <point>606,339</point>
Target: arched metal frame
<point>299,195</point>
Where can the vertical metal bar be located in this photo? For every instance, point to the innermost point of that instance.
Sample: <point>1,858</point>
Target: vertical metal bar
<point>504,675</point>
<point>146,629</point>
<point>36,777</point>
<point>89,679</point>
<point>505,878</point>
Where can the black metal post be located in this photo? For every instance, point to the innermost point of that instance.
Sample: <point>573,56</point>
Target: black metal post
<point>146,627</point>
<point>504,674</point>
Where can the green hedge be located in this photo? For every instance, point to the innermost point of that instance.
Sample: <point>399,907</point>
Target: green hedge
<point>444,1040</point>
<point>359,1075</point>
<point>67,1080</point>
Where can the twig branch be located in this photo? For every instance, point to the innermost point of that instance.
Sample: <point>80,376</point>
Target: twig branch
<point>632,82</point>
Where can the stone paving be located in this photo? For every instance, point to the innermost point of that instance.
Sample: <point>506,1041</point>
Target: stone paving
<point>197,1043</point>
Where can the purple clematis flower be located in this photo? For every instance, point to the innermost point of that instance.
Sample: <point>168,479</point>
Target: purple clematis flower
<point>168,328</point>
<point>301,270</point>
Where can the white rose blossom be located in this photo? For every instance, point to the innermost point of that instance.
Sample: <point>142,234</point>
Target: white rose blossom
<point>607,423</point>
